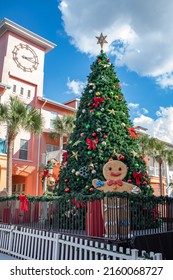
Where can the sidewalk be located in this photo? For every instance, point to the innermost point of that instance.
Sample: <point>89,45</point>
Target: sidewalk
<point>6,257</point>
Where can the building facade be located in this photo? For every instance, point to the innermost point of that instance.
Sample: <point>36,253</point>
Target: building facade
<point>22,55</point>
<point>153,170</point>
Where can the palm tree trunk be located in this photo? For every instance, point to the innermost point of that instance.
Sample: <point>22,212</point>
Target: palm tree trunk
<point>9,167</point>
<point>60,147</point>
<point>160,176</point>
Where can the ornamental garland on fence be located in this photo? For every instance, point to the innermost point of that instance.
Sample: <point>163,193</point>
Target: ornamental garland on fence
<point>84,198</point>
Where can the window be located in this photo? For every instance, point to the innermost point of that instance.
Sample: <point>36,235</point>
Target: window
<point>52,118</point>
<point>23,152</point>
<point>51,148</point>
<point>29,94</point>
<point>64,146</point>
<point>14,88</point>
<point>18,189</point>
<point>21,91</point>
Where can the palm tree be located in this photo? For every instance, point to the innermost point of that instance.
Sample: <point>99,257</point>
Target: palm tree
<point>144,143</point>
<point>158,151</point>
<point>63,126</point>
<point>16,115</point>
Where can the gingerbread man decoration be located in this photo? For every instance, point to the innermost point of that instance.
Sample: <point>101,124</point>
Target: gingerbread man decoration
<point>114,172</point>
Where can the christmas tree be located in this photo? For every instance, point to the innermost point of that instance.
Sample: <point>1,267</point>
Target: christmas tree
<point>103,131</point>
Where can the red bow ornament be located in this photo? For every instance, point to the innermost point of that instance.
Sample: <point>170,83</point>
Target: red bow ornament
<point>91,143</point>
<point>45,173</point>
<point>24,202</point>
<point>97,101</point>
<point>137,177</point>
<point>115,182</point>
<point>132,133</point>
<point>65,155</point>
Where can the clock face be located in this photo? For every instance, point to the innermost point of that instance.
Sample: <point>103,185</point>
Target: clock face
<point>25,57</point>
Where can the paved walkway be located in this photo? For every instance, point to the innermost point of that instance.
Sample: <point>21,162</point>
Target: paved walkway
<point>6,257</point>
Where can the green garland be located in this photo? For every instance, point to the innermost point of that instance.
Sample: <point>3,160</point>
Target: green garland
<point>95,196</point>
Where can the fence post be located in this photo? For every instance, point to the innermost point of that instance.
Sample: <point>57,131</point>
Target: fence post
<point>157,256</point>
<point>10,244</point>
<point>134,254</point>
<point>55,255</point>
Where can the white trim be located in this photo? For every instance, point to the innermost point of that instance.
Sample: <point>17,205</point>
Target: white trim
<point>57,104</point>
<point>7,24</point>
<point>4,86</point>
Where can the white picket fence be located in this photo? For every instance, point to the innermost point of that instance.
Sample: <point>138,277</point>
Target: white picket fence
<point>32,244</point>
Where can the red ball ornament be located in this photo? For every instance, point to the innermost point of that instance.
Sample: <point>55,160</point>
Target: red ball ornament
<point>129,181</point>
<point>67,190</point>
<point>66,180</point>
<point>144,182</point>
<point>89,104</point>
<point>121,157</point>
<point>81,134</point>
<point>91,111</point>
<point>94,134</point>
<point>105,136</point>
<point>91,157</point>
<point>91,189</point>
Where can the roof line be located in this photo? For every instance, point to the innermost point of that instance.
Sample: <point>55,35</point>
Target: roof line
<point>57,103</point>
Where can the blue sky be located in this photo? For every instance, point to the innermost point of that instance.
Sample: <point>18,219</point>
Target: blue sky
<point>140,41</point>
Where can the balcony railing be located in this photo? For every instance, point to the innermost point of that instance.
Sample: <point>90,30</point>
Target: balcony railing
<point>50,155</point>
<point>154,171</point>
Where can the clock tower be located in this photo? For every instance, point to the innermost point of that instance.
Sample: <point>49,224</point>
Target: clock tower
<point>22,54</point>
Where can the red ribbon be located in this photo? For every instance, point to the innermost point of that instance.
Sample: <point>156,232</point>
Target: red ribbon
<point>91,143</point>
<point>132,133</point>
<point>116,182</point>
<point>24,202</point>
<point>65,155</point>
<point>137,177</point>
<point>155,213</point>
<point>45,173</point>
<point>78,204</point>
<point>97,101</point>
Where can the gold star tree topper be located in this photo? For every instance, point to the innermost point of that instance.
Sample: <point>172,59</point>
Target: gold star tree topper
<point>101,40</point>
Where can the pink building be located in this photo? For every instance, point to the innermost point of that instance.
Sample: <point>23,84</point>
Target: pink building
<point>22,56</point>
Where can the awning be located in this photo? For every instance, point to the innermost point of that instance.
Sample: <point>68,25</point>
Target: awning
<point>23,170</point>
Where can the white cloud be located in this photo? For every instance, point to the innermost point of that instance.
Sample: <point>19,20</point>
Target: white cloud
<point>161,127</point>
<point>133,105</point>
<point>139,33</point>
<point>136,110</point>
<point>75,87</point>
<point>145,111</point>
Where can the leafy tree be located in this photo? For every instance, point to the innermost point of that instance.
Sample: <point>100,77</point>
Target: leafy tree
<point>63,126</point>
<point>103,131</point>
<point>158,151</point>
<point>17,116</point>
